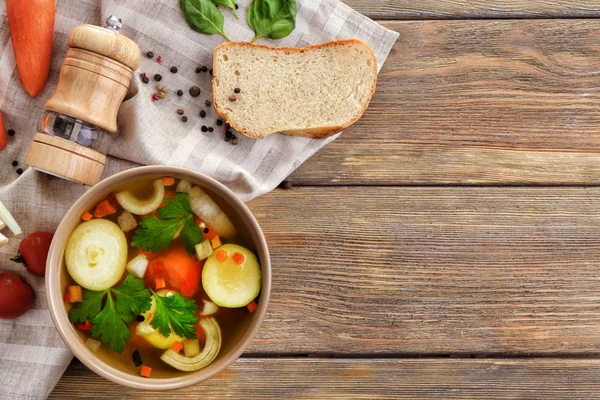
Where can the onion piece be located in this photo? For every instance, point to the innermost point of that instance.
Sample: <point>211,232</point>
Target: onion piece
<point>142,207</point>
<point>8,219</point>
<point>208,211</point>
<point>183,186</point>
<point>210,308</point>
<point>137,266</point>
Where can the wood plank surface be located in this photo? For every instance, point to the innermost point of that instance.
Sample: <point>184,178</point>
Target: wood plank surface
<point>432,271</point>
<point>292,378</point>
<point>476,102</point>
<point>462,9</point>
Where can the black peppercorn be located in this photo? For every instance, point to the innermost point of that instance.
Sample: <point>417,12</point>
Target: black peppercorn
<point>207,103</point>
<point>194,91</point>
<point>184,118</point>
<point>173,69</point>
<point>236,6</point>
<point>150,54</point>
<point>206,230</point>
<point>228,134</point>
<point>145,79</point>
<point>157,77</point>
<point>237,90</point>
<point>140,318</point>
<point>11,132</point>
<point>204,68</point>
<point>180,92</point>
<point>204,128</point>
<point>210,71</point>
<point>210,129</point>
<point>287,185</point>
<point>198,70</point>
<point>227,139</point>
<point>219,122</point>
<point>15,163</point>
<point>202,113</point>
<point>19,171</point>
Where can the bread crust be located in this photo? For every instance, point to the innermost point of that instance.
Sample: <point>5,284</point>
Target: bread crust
<point>316,132</point>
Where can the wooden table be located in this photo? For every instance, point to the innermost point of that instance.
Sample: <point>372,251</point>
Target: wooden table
<point>447,245</point>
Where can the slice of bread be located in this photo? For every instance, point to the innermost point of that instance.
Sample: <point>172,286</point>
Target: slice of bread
<point>315,91</point>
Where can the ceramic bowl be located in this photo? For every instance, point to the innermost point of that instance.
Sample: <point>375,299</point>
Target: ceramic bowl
<point>120,369</point>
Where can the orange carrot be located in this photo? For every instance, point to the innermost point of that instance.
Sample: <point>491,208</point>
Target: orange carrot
<point>146,371</point>
<point>238,258</point>
<point>86,216</point>
<point>215,242</point>
<point>176,347</point>
<point>160,283</point>
<point>3,135</point>
<point>31,26</point>
<point>221,255</point>
<point>104,208</point>
<point>252,306</point>
<point>168,181</point>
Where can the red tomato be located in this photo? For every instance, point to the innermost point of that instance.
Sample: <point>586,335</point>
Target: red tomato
<point>16,297</point>
<point>33,252</point>
<point>180,271</point>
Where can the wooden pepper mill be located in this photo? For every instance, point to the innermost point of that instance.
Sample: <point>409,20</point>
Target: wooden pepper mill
<point>75,132</point>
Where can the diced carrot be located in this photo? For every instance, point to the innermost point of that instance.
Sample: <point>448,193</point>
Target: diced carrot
<point>104,208</point>
<point>86,326</point>
<point>252,306</point>
<point>215,242</point>
<point>207,232</point>
<point>221,255</point>
<point>238,258</point>
<point>86,216</point>
<point>168,181</point>
<point>176,347</point>
<point>160,283</point>
<point>146,371</point>
<point>73,294</point>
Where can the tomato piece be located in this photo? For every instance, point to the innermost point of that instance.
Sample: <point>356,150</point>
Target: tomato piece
<point>181,272</point>
<point>16,297</point>
<point>85,326</point>
<point>33,252</point>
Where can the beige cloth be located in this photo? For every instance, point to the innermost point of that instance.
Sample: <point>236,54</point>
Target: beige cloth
<point>32,355</point>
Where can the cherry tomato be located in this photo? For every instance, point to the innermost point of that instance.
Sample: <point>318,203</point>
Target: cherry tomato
<point>16,297</point>
<point>33,252</point>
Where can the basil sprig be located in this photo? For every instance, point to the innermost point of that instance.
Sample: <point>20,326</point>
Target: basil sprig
<point>228,4</point>
<point>203,16</point>
<point>272,18</point>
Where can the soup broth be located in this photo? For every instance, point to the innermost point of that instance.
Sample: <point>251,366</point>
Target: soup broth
<point>186,251</point>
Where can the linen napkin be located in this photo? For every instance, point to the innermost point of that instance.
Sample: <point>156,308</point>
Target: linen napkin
<point>32,355</point>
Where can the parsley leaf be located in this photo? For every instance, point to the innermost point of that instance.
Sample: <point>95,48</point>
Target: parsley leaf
<point>156,234</point>
<point>110,319</point>
<point>175,311</point>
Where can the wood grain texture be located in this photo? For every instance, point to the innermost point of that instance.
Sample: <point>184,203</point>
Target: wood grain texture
<point>477,102</point>
<point>285,378</point>
<point>432,271</point>
<point>461,9</point>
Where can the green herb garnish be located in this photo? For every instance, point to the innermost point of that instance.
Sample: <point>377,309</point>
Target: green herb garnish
<point>156,234</point>
<point>272,18</point>
<point>203,16</point>
<point>228,4</point>
<point>177,312</point>
<point>110,318</point>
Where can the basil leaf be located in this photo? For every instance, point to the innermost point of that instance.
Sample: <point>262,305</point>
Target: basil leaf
<point>203,16</point>
<point>228,4</point>
<point>272,18</point>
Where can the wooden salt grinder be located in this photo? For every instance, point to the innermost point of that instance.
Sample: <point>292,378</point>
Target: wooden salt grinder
<point>81,117</point>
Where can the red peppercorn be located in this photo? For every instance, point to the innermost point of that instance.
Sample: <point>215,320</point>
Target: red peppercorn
<point>159,59</point>
<point>154,97</point>
<point>143,75</point>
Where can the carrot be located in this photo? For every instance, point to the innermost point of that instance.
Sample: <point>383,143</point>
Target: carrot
<point>252,306</point>
<point>85,326</point>
<point>104,208</point>
<point>221,255</point>
<point>176,347</point>
<point>146,371</point>
<point>3,135</point>
<point>215,242</point>
<point>86,216</point>
<point>238,258</point>
<point>160,283</point>
<point>31,26</point>
<point>168,181</point>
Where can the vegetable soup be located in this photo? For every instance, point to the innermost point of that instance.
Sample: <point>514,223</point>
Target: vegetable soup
<point>159,278</point>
